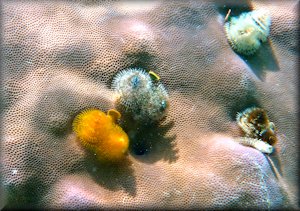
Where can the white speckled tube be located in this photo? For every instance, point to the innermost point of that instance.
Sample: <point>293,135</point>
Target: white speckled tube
<point>256,143</point>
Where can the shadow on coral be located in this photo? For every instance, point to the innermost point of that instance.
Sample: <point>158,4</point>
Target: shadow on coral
<point>25,196</point>
<point>143,60</point>
<point>150,144</point>
<point>236,7</point>
<point>250,100</point>
<point>113,176</point>
<point>263,60</point>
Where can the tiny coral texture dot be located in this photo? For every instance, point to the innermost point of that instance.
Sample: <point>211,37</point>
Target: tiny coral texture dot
<point>99,133</point>
<point>246,32</point>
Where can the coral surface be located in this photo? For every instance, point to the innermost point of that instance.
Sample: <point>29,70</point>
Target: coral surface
<point>60,57</point>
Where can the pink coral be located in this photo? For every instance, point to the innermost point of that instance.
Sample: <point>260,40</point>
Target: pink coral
<point>59,57</point>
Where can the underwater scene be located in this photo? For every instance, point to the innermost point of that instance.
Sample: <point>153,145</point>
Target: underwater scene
<point>149,105</point>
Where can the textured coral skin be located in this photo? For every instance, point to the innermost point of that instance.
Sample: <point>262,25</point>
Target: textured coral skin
<point>59,58</point>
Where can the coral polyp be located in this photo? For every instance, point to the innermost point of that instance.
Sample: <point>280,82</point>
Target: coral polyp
<point>246,32</point>
<point>99,133</point>
<point>141,94</point>
<point>257,128</point>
